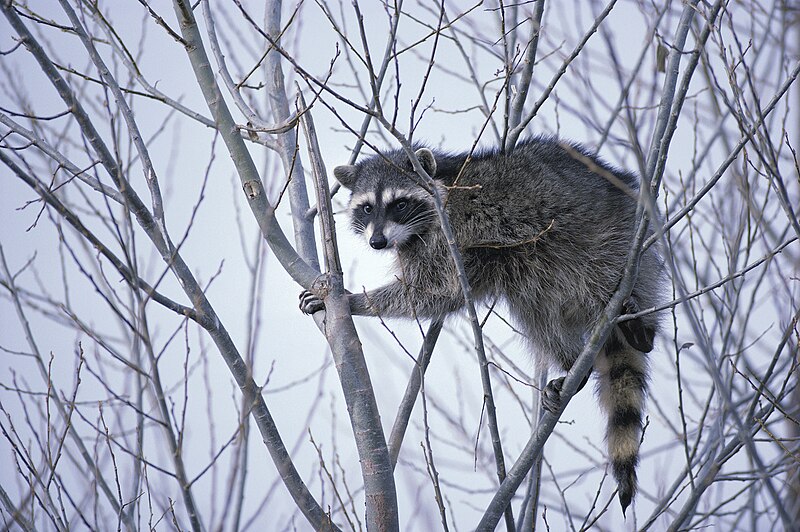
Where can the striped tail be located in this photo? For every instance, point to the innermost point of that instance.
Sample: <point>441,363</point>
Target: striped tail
<point>622,388</point>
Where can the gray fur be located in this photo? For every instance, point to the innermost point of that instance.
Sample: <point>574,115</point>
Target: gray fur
<point>547,228</point>
<point>345,174</point>
<point>427,160</point>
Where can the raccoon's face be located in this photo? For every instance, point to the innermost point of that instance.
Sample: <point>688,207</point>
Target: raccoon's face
<point>391,217</point>
<point>386,206</point>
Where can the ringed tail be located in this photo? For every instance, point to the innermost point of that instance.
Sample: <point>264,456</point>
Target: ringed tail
<point>622,388</point>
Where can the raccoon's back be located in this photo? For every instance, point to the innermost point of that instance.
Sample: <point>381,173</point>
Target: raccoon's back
<point>540,180</point>
<point>541,212</point>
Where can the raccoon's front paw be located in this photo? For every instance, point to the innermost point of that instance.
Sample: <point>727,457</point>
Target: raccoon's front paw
<point>310,302</point>
<point>551,396</point>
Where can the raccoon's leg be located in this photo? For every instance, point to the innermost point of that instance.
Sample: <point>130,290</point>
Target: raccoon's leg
<point>554,339</point>
<point>637,333</point>
<point>622,386</point>
<point>551,395</point>
<point>392,301</point>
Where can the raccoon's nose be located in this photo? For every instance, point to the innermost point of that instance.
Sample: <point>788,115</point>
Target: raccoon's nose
<point>378,241</point>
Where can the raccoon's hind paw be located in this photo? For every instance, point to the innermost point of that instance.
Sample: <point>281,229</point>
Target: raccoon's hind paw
<point>551,396</point>
<point>310,302</point>
<point>636,333</point>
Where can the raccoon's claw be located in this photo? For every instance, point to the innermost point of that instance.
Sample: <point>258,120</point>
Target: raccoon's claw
<point>551,397</point>
<point>636,333</point>
<point>310,303</point>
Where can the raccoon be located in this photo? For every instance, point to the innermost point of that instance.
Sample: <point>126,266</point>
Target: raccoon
<point>546,228</point>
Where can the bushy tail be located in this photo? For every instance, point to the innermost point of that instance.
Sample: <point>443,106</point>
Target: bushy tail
<point>622,387</point>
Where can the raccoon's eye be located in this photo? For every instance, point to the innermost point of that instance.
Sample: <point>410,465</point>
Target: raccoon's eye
<point>401,205</point>
<point>367,209</point>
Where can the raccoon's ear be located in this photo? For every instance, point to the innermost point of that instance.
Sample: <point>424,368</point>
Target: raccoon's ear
<point>345,174</point>
<point>427,160</point>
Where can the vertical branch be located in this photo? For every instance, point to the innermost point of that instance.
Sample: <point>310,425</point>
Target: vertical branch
<point>254,314</point>
<point>388,55</point>
<point>659,142</point>
<point>794,470</point>
<point>427,450</point>
<point>530,504</point>
<point>412,390</point>
<point>263,212</point>
<point>287,142</point>
<point>526,76</point>
<point>424,83</point>
<point>508,71</point>
<point>514,134</point>
<point>793,474</point>
<point>234,89</point>
<point>376,467</point>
